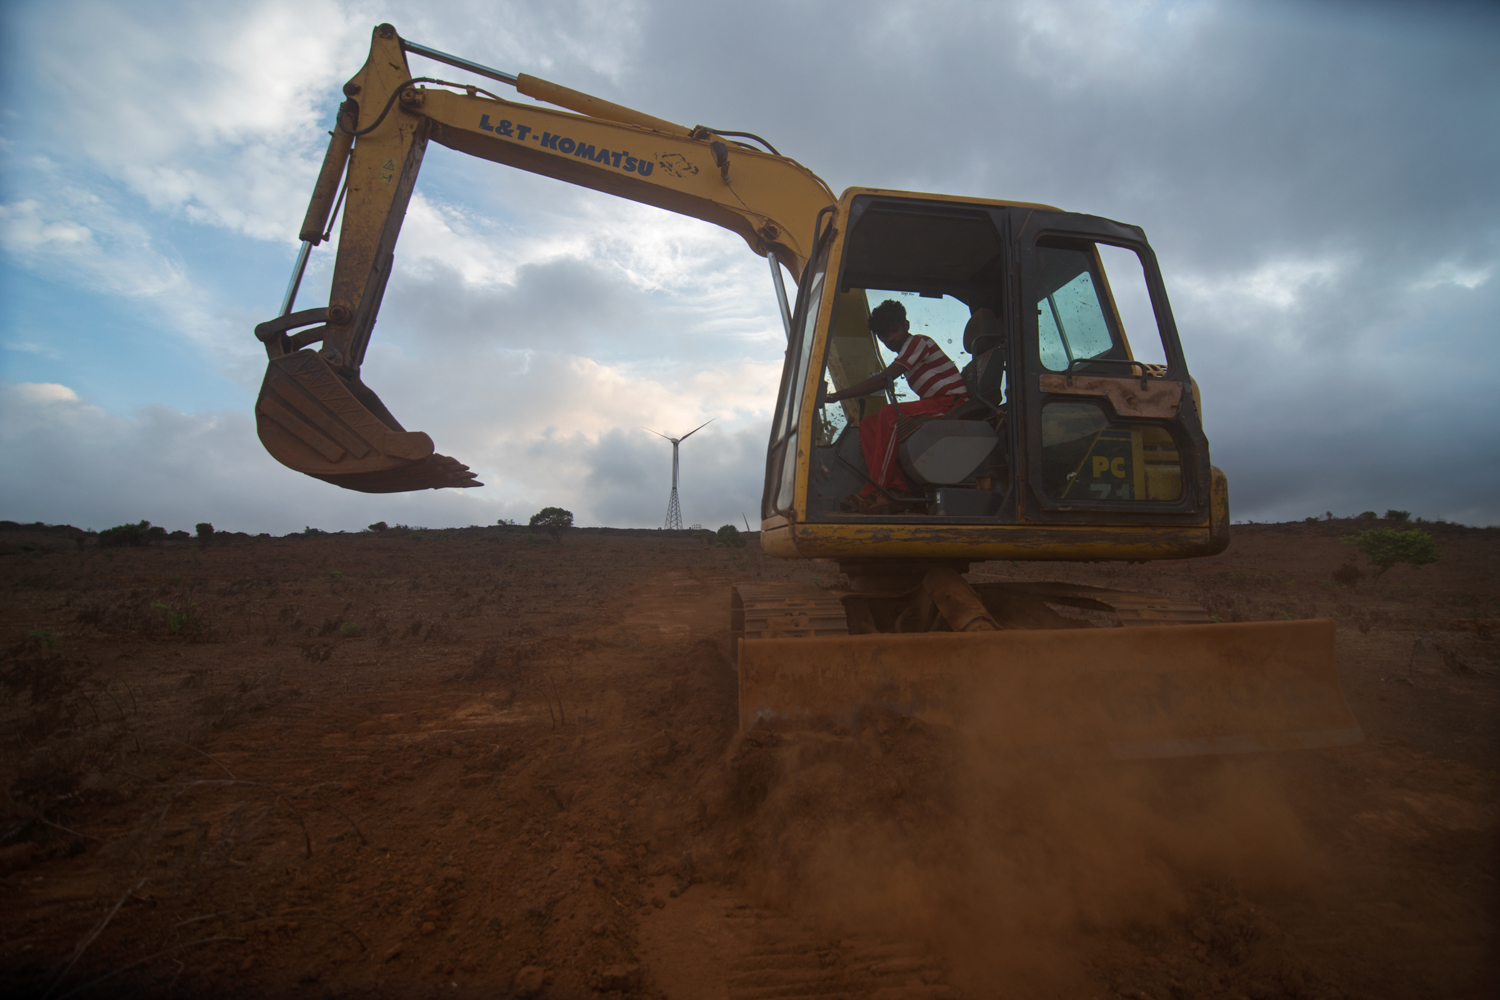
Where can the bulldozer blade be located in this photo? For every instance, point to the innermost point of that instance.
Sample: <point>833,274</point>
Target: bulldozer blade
<point>312,420</point>
<point>1116,693</point>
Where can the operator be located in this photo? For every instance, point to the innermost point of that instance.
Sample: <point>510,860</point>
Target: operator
<point>931,376</point>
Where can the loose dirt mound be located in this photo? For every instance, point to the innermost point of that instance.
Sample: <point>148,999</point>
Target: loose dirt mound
<point>476,763</point>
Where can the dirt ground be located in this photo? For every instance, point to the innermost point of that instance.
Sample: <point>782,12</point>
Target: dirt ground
<point>478,762</point>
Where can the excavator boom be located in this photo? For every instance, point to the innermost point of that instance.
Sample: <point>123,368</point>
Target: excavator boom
<point>314,413</point>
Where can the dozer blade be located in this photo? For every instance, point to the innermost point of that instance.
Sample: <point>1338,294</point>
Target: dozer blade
<point>338,431</point>
<point>1121,693</point>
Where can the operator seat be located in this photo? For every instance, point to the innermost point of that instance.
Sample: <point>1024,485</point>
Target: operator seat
<point>947,450</point>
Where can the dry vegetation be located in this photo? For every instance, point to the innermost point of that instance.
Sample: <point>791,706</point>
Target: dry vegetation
<point>479,762</point>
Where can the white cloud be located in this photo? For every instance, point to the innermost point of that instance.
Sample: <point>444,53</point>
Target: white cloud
<point>23,231</point>
<point>113,253</point>
<point>1280,284</point>
<point>1455,274</point>
<point>43,393</point>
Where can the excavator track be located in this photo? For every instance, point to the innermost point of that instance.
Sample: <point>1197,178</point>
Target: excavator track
<point>782,610</point>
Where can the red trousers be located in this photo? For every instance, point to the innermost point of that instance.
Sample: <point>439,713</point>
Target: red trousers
<point>877,439</point>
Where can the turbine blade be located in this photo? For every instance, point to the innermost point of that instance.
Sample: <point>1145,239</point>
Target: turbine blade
<point>658,434</point>
<point>695,430</point>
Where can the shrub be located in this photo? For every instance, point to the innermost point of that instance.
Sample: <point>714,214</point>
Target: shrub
<point>349,630</point>
<point>1387,547</point>
<point>1348,574</point>
<point>1368,515</point>
<point>130,535</point>
<point>377,526</point>
<point>179,536</point>
<point>310,532</point>
<point>730,537</point>
<point>553,520</point>
<point>1399,516</point>
<point>180,620</point>
<point>205,532</point>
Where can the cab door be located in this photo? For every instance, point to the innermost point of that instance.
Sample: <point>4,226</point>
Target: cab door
<point>1111,428</point>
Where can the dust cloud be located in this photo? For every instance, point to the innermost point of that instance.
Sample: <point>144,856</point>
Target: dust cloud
<point>1004,868</point>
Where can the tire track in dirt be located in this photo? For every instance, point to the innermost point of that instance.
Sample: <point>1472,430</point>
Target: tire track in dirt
<point>713,943</point>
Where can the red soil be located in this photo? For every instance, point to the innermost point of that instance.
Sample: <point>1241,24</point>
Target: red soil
<point>478,763</point>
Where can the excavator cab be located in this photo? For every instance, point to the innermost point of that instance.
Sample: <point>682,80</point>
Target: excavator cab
<point>1083,417</point>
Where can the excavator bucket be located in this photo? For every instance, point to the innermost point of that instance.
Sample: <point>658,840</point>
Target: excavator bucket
<point>312,420</point>
<point>1104,693</point>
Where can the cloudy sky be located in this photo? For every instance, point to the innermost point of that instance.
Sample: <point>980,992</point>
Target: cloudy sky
<point>1318,179</point>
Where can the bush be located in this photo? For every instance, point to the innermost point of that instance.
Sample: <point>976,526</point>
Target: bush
<point>130,535</point>
<point>1387,547</point>
<point>180,620</point>
<point>553,520</point>
<point>730,537</point>
<point>205,532</point>
<point>1348,574</point>
<point>377,526</point>
<point>1399,516</point>
<point>1368,515</point>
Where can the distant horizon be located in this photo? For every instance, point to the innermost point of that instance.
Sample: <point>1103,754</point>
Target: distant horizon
<point>1313,177</point>
<point>10,524</point>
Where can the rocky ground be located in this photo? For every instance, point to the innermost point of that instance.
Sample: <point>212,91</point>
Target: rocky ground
<point>482,763</point>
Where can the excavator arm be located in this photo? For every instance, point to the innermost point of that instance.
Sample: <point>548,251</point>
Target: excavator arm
<point>314,413</point>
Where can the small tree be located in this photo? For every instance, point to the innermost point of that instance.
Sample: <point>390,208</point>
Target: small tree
<point>125,535</point>
<point>1399,516</point>
<point>553,520</point>
<point>730,537</point>
<point>205,532</point>
<point>1387,547</point>
<point>1368,515</point>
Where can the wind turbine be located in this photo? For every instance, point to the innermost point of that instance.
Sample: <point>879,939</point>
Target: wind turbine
<point>674,512</point>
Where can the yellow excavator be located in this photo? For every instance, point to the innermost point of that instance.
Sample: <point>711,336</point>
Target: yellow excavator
<point>1073,442</point>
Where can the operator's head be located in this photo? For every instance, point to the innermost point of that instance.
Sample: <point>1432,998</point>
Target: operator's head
<point>982,332</point>
<point>888,322</point>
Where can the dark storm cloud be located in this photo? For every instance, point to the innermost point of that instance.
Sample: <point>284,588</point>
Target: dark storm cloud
<point>557,305</point>
<point>1318,180</point>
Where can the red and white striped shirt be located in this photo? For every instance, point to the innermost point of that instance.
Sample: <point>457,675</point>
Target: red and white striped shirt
<point>928,370</point>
